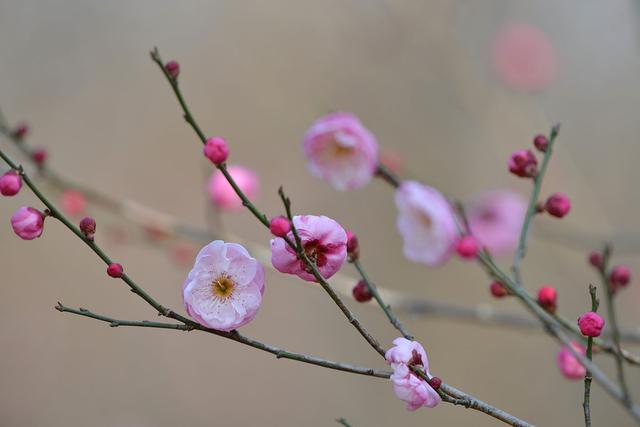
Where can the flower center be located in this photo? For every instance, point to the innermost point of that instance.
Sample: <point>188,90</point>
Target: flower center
<point>341,150</point>
<point>425,219</point>
<point>316,252</point>
<point>223,287</point>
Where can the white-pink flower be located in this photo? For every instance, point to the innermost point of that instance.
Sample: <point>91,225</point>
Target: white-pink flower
<point>324,241</point>
<point>426,223</point>
<point>224,196</point>
<point>224,289</point>
<point>495,219</point>
<point>28,223</point>
<point>569,366</point>
<point>341,151</point>
<point>407,386</point>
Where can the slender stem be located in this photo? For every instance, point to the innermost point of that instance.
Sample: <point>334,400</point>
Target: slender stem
<point>476,404</point>
<point>613,323</point>
<point>343,421</point>
<point>531,209</point>
<point>587,377</point>
<point>235,336</point>
<point>384,306</point>
<point>383,172</point>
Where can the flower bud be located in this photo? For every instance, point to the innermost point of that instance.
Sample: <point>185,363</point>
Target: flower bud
<point>619,277</point>
<point>173,69</point>
<point>28,223</point>
<point>353,247</point>
<point>216,150</point>
<point>279,226</point>
<point>498,290</point>
<point>435,383</point>
<point>10,183</point>
<point>523,163</point>
<point>591,324</point>
<point>595,259</point>
<point>39,156</point>
<point>115,270</point>
<point>541,142</point>
<point>21,131</point>
<point>361,292</point>
<point>548,298</point>
<point>557,205</point>
<point>467,247</point>
<point>88,227</point>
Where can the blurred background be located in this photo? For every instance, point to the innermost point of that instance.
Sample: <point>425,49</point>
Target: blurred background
<point>423,77</point>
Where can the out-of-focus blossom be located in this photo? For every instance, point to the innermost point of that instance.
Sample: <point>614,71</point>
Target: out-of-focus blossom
<point>495,219</point>
<point>224,289</point>
<point>341,150</point>
<point>323,240</point>
<point>224,196</point>
<point>557,205</point>
<point>569,366</point>
<point>407,386</point>
<point>426,223</point>
<point>524,57</point>
<point>73,202</point>
<point>548,298</point>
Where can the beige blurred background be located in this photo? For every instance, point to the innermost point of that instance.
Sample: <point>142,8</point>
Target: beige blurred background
<point>259,72</point>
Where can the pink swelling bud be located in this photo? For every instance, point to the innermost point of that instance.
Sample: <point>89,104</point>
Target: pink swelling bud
<point>548,298</point>
<point>353,247</point>
<point>498,290</point>
<point>88,227</point>
<point>541,142</point>
<point>595,259</point>
<point>523,163</point>
<point>467,247</point>
<point>279,226</point>
<point>620,276</point>
<point>361,292</point>
<point>216,150</point>
<point>591,324</point>
<point>21,131</point>
<point>173,69</point>
<point>39,156</point>
<point>28,223</point>
<point>558,205</point>
<point>115,270</point>
<point>435,383</point>
<point>10,183</point>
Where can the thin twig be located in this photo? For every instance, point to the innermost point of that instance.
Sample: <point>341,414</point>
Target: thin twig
<point>613,323</point>
<point>383,305</point>
<point>531,209</point>
<point>587,377</point>
<point>343,421</point>
<point>235,336</point>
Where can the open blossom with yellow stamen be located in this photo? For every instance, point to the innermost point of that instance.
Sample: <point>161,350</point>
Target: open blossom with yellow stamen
<point>224,289</point>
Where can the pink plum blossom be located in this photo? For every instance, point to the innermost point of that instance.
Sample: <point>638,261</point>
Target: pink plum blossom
<point>224,289</point>
<point>569,366</point>
<point>408,387</point>
<point>426,223</point>
<point>324,241</point>
<point>495,219</point>
<point>223,195</point>
<point>524,58</point>
<point>341,151</point>
<point>28,223</point>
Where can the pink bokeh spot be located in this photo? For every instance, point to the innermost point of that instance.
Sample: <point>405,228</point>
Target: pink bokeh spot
<point>569,366</point>
<point>223,195</point>
<point>524,58</point>
<point>73,202</point>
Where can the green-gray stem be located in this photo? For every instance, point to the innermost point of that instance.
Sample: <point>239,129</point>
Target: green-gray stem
<point>586,403</point>
<point>531,209</point>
